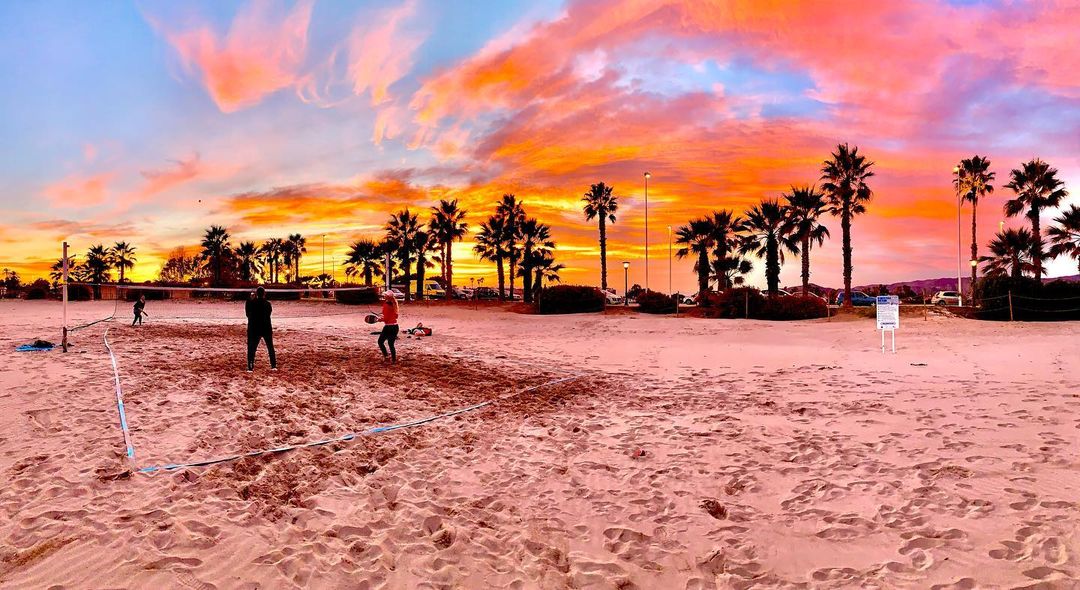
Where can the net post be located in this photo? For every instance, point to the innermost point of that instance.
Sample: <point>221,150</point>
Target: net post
<point>64,290</point>
<point>1010,307</point>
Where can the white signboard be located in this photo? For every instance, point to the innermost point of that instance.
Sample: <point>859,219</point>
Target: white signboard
<point>888,317</point>
<point>888,312</point>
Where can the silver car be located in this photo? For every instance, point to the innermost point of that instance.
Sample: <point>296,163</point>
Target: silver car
<point>946,298</point>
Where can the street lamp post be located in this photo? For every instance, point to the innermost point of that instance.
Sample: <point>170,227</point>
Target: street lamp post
<point>959,237</point>
<point>647,177</point>
<point>324,256</point>
<point>626,283</point>
<point>670,290</point>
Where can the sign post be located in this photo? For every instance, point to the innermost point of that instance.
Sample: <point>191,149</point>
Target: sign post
<point>64,289</point>
<point>888,318</point>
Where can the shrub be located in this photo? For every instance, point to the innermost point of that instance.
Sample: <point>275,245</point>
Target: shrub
<point>365,297</point>
<point>653,302</point>
<point>571,299</point>
<point>796,307</point>
<point>36,293</point>
<point>1031,301</point>
<point>79,293</point>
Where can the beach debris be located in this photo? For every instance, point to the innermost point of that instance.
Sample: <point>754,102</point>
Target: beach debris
<point>918,364</point>
<point>638,453</point>
<point>714,508</point>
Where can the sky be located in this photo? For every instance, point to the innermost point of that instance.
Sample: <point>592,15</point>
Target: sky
<point>147,122</point>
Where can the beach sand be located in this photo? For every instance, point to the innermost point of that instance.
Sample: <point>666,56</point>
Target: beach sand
<point>688,453</point>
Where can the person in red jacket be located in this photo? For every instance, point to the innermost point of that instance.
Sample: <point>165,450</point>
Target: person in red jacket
<point>390,326</point>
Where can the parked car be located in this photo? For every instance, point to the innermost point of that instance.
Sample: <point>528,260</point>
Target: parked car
<point>685,299</point>
<point>946,298</point>
<point>612,298</point>
<point>462,292</point>
<point>433,290</point>
<point>779,293</point>
<point>487,293</point>
<point>858,299</point>
<point>799,293</point>
<point>397,294</point>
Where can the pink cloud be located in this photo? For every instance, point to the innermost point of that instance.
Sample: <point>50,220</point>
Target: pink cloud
<point>262,53</point>
<point>80,191</point>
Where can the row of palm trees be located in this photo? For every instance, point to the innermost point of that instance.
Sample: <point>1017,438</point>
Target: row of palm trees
<point>517,244</point>
<point>721,240</point>
<point>1019,252</point>
<point>221,260</point>
<point>98,264</point>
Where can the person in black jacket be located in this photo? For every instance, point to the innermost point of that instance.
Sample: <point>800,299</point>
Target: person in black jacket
<point>258,311</point>
<point>139,313</point>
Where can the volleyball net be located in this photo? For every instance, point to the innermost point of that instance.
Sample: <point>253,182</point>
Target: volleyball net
<point>209,304</point>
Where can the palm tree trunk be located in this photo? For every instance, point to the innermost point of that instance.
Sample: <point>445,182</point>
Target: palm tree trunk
<point>845,228</point>
<point>406,267</point>
<point>702,274</point>
<point>603,254</point>
<point>1036,248</point>
<point>806,265</point>
<point>502,278</point>
<point>367,275</point>
<point>449,258</point>
<point>421,262</point>
<point>974,245</point>
<point>538,285</point>
<point>513,268</point>
<point>772,267</point>
<point>526,277</point>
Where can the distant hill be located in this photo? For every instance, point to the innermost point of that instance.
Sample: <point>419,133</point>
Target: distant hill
<point>927,286</point>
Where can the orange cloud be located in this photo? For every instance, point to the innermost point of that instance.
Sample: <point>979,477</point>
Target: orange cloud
<point>261,54</point>
<point>160,180</point>
<point>382,54</point>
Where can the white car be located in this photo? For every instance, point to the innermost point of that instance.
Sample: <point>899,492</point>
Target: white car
<point>946,298</point>
<point>397,294</point>
<point>613,299</point>
<point>779,293</point>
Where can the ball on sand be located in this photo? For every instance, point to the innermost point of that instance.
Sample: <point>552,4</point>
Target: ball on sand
<point>371,318</point>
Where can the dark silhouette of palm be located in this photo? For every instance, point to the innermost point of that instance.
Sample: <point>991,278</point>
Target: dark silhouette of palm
<point>215,248</point>
<point>97,267</point>
<point>534,238</point>
<point>1011,254</point>
<point>401,233</point>
<point>448,226</point>
<point>422,244</point>
<point>545,268</point>
<point>513,214</point>
<point>601,204</point>
<point>698,238</point>
<point>725,236</point>
<point>272,251</point>
<point>730,271</point>
<point>973,181</point>
<point>122,256</point>
<point>806,206</point>
<point>1037,187</point>
<point>247,259</point>
<point>845,175</point>
<point>767,233</point>
<point>364,257</point>
<point>297,247</point>
<point>1065,236</point>
<point>491,245</point>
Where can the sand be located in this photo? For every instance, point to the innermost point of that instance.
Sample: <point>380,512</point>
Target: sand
<point>689,453</point>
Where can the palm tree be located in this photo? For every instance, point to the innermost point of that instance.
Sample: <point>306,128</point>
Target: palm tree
<point>535,237</point>
<point>271,251</point>
<point>401,233</point>
<point>845,176</point>
<point>543,264</point>
<point>1012,254</point>
<point>122,256</point>
<point>247,258</point>
<point>697,237</point>
<point>601,204</point>
<point>768,233</point>
<point>1065,236</point>
<point>422,244</point>
<point>1037,187</point>
<point>57,270</point>
<point>365,258</point>
<point>806,207</point>
<point>730,271</point>
<point>98,263</point>
<point>491,245</point>
<point>513,214</point>
<point>215,247</point>
<point>973,180</point>
<point>725,228</point>
<point>297,246</point>
<point>448,226</point>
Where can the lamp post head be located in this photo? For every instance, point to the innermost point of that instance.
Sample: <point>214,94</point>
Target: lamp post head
<point>647,175</point>
<point>974,262</point>
<point>956,169</point>
<point>625,264</point>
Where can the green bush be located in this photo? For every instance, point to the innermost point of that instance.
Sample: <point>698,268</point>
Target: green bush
<point>795,307</point>
<point>1031,301</point>
<point>653,302</point>
<point>366,297</point>
<point>571,299</point>
<point>747,302</point>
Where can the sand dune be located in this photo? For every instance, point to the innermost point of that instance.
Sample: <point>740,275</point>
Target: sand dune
<point>689,454</point>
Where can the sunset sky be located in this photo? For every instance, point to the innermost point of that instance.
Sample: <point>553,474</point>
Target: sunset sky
<point>149,121</point>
